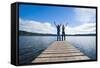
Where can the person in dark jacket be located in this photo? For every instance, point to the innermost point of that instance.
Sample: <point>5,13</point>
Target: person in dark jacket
<point>58,31</point>
<point>63,32</point>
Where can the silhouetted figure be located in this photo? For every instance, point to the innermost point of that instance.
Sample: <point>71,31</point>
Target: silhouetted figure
<point>63,32</point>
<point>58,31</point>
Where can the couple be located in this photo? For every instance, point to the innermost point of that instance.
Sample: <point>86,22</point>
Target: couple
<point>58,32</point>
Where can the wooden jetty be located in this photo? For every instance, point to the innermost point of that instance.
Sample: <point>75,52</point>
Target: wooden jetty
<point>60,51</point>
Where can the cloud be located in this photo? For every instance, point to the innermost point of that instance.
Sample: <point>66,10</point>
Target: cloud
<point>85,28</point>
<point>86,19</point>
<point>46,27</point>
<point>85,15</point>
<point>35,26</point>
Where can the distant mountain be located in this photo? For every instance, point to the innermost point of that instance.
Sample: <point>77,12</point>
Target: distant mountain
<point>25,33</point>
<point>82,35</point>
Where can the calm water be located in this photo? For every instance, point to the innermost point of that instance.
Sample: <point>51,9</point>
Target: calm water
<point>31,46</point>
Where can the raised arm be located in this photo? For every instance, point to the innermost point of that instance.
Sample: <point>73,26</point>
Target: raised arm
<point>66,24</point>
<point>55,23</point>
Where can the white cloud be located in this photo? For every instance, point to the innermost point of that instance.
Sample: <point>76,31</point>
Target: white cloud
<point>85,28</point>
<point>86,18</point>
<point>85,15</point>
<point>35,26</point>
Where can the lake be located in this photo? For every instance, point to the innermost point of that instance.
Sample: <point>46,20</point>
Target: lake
<point>31,46</point>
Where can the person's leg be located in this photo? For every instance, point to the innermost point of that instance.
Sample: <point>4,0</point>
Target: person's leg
<point>64,37</point>
<point>57,36</point>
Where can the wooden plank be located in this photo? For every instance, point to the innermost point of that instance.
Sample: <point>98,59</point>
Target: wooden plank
<point>60,59</point>
<point>60,51</point>
<point>67,50</point>
<point>61,55</point>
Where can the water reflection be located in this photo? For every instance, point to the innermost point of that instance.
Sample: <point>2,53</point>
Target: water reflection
<point>31,46</point>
